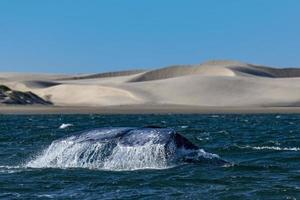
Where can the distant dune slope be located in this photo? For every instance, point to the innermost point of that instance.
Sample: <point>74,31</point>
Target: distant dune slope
<point>183,70</point>
<point>256,70</point>
<point>213,83</point>
<point>217,68</point>
<point>104,75</point>
<point>223,91</point>
<point>18,76</point>
<point>40,84</point>
<point>87,95</point>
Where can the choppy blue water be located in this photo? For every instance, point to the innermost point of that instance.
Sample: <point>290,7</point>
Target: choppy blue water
<point>264,150</point>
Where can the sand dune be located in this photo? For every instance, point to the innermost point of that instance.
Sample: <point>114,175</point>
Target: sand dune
<point>218,68</point>
<point>16,76</point>
<point>224,91</point>
<point>104,75</point>
<point>87,95</point>
<point>214,83</point>
<point>206,69</point>
<point>40,84</point>
<point>256,70</point>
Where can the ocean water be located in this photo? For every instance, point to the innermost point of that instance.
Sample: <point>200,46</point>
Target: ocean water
<point>263,152</point>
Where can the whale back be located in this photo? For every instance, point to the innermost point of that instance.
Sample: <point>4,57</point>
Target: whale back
<point>137,136</point>
<point>123,148</point>
<point>142,136</point>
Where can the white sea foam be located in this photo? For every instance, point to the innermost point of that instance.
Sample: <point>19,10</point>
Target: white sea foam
<point>10,169</point>
<point>196,155</point>
<point>95,155</point>
<point>91,150</point>
<point>63,126</point>
<point>151,156</point>
<point>67,153</point>
<point>202,138</point>
<point>48,196</point>
<point>273,148</point>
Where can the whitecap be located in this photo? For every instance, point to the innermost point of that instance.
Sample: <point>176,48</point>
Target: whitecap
<point>276,148</point>
<point>10,169</point>
<point>202,138</point>
<point>63,126</point>
<point>45,196</point>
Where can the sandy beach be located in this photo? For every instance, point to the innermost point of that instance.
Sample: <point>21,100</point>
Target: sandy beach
<point>149,109</point>
<point>210,87</point>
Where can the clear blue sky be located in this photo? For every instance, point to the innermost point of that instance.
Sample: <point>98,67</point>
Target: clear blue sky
<point>109,35</point>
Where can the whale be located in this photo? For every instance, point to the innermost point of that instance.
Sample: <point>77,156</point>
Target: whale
<point>138,136</point>
<point>123,148</point>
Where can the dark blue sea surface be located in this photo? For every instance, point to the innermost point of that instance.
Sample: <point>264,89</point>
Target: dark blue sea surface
<point>264,152</point>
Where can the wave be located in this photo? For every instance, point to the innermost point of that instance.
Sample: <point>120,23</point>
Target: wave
<point>6,169</point>
<point>273,148</point>
<point>63,126</point>
<point>94,150</point>
<point>184,126</point>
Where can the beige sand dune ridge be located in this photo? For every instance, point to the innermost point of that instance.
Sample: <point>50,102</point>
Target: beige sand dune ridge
<point>213,83</point>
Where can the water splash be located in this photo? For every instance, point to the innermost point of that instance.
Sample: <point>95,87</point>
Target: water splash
<point>63,126</point>
<point>96,155</point>
<point>95,150</point>
<point>149,156</point>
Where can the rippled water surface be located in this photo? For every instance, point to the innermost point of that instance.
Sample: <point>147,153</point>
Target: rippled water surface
<point>264,151</point>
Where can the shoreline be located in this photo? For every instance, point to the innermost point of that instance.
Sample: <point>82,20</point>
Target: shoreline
<point>144,109</point>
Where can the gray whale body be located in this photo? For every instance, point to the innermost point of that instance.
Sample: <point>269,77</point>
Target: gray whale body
<point>131,137</point>
<point>123,148</point>
<point>138,136</point>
